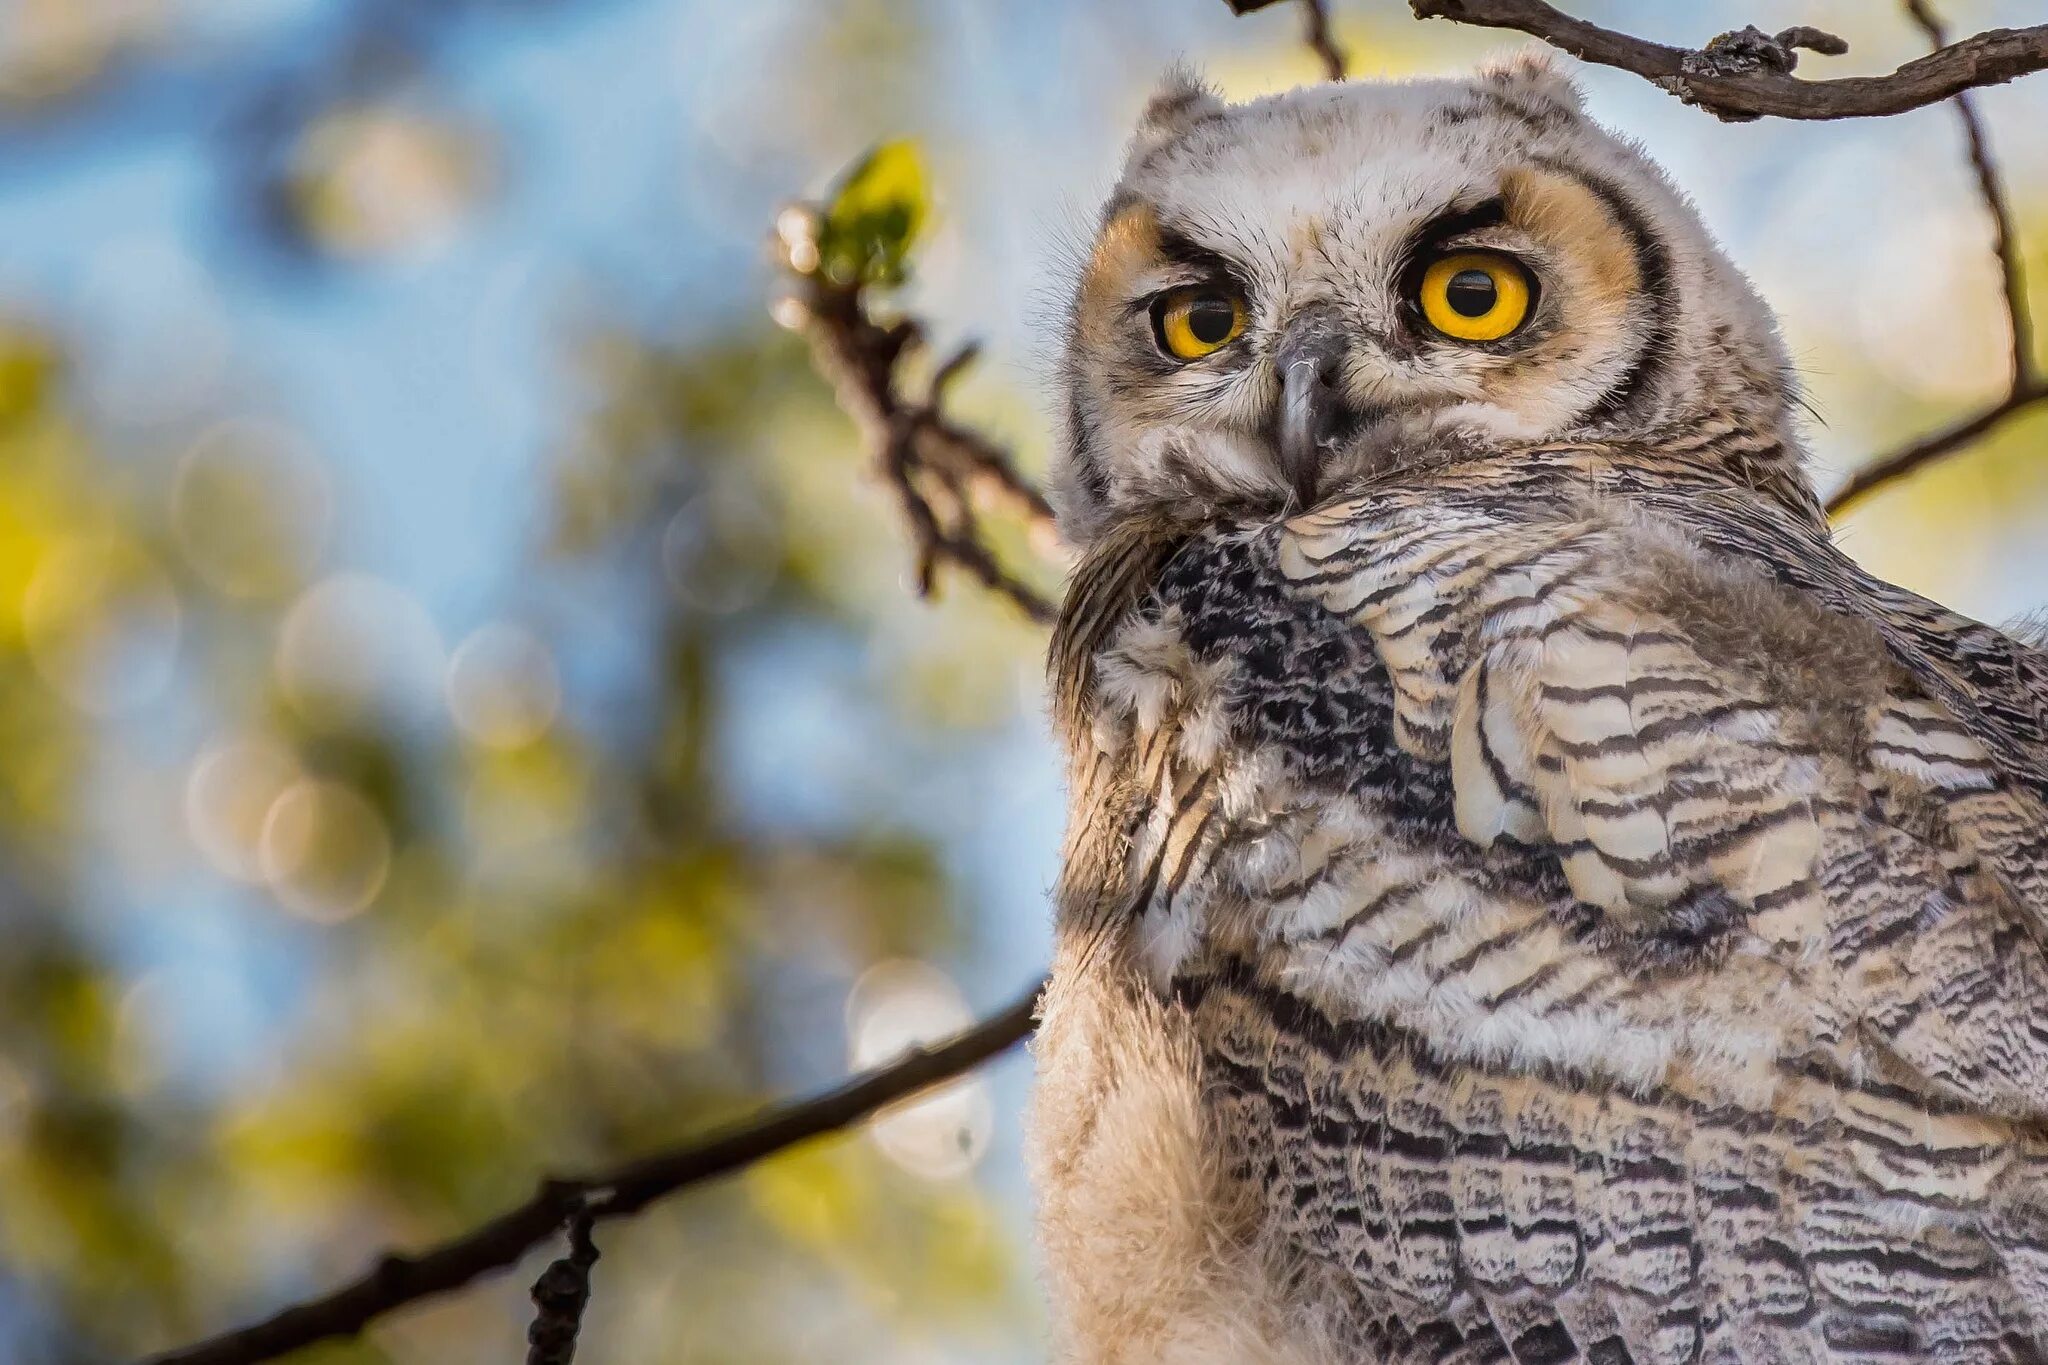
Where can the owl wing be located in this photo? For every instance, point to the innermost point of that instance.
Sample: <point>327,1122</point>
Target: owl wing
<point>1716,1019</point>
<point>1701,741</point>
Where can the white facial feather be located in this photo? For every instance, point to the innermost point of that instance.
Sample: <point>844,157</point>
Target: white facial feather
<point>1322,199</point>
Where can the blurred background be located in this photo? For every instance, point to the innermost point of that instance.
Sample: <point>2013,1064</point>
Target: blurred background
<point>461,712</point>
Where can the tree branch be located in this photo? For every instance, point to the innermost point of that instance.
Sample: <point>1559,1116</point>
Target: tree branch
<point>1734,77</point>
<point>2004,242</point>
<point>1315,31</point>
<point>1870,477</point>
<point>397,1280</point>
<point>561,1294</point>
<point>2025,385</point>
<point>936,468</point>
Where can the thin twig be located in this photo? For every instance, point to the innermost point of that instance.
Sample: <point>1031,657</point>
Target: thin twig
<point>953,367</point>
<point>398,1280</point>
<point>911,441</point>
<point>560,1295</point>
<point>1315,31</point>
<point>2025,385</point>
<point>2004,242</point>
<point>1870,477</point>
<point>1742,89</point>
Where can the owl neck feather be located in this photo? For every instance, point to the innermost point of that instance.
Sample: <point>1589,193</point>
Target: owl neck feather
<point>1114,574</point>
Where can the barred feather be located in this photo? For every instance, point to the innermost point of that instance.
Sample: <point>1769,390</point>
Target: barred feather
<point>1606,924</point>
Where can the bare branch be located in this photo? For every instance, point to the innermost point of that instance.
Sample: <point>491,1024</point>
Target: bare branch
<point>1732,79</point>
<point>1883,470</point>
<point>397,1281</point>
<point>561,1294</point>
<point>2025,385</point>
<point>955,365</point>
<point>2003,240</point>
<point>912,444</point>
<point>1315,31</point>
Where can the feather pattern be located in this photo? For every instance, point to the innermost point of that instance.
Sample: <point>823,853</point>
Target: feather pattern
<point>1601,923</point>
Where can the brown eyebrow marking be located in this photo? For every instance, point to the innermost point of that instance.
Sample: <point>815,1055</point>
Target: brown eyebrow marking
<point>1653,272</point>
<point>1127,245</point>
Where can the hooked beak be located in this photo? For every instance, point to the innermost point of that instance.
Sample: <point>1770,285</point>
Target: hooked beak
<point>1313,412</point>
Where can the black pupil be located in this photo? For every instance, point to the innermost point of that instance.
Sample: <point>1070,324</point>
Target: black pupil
<point>1210,320</point>
<point>1471,293</point>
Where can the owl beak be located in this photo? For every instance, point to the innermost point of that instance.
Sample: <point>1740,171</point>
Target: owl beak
<point>1312,407</point>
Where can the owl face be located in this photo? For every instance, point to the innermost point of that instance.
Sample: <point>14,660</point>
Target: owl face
<point>1287,296</point>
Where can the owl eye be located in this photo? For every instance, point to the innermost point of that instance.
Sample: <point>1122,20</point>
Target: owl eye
<point>1475,295</point>
<point>1191,323</point>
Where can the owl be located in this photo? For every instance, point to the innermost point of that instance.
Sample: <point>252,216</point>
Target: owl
<point>1527,894</point>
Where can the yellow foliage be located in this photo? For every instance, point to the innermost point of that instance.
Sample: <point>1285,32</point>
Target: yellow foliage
<point>811,1194</point>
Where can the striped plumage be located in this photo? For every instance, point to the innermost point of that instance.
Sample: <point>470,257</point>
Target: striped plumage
<point>1542,903</point>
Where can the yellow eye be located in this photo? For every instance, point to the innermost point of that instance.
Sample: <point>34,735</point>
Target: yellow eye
<point>1475,295</point>
<point>1192,323</point>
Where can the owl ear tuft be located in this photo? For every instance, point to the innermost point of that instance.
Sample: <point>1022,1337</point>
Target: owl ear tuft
<point>1533,74</point>
<point>1182,100</point>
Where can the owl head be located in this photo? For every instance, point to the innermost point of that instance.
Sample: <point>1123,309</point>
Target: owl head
<point>1287,296</point>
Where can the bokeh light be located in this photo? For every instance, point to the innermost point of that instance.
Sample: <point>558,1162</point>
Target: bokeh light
<point>384,180</point>
<point>167,1023</point>
<point>48,47</point>
<point>354,644</point>
<point>721,549</point>
<point>251,507</point>
<point>324,851</point>
<point>229,793</point>
<point>897,1005</point>
<point>502,687</point>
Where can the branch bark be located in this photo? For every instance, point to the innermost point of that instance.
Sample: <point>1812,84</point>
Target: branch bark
<point>1724,83</point>
<point>560,1295</point>
<point>1315,31</point>
<point>398,1280</point>
<point>1874,475</point>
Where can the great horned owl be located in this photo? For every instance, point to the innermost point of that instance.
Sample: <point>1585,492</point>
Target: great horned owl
<point>1527,894</point>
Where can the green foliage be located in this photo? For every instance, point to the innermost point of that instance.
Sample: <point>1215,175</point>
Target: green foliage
<point>574,955</point>
<point>873,217</point>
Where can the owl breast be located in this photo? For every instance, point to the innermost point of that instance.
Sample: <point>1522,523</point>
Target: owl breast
<point>1499,1076</point>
